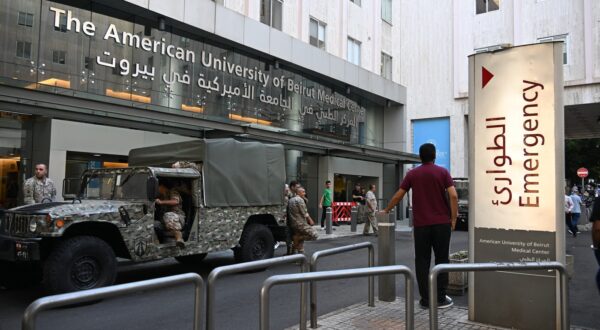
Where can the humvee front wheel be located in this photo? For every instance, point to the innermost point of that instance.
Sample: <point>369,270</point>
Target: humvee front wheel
<point>80,263</point>
<point>257,243</point>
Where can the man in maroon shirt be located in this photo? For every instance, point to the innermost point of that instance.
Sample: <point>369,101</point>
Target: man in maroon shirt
<point>435,207</point>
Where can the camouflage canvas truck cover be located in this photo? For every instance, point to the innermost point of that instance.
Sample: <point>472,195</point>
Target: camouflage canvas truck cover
<point>232,198</point>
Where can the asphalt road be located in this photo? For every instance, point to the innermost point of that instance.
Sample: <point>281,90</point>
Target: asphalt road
<point>237,295</point>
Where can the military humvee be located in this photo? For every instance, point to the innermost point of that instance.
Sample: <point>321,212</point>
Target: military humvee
<point>232,196</point>
<point>462,188</point>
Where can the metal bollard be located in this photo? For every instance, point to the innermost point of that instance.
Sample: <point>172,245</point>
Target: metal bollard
<point>328,224</point>
<point>353,219</point>
<point>386,246</point>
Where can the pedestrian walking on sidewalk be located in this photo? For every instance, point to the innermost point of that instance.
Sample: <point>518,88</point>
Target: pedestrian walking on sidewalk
<point>358,199</point>
<point>371,204</point>
<point>325,202</point>
<point>576,212</point>
<point>568,215</point>
<point>435,208</point>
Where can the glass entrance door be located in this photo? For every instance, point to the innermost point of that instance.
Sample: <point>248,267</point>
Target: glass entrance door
<point>12,142</point>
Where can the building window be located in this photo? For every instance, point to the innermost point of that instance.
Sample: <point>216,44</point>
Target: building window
<point>271,13</point>
<point>184,42</point>
<point>353,51</point>
<point>484,6</point>
<point>386,66</point>
<point>62,24</point>
<point>59,56</point>
<point>386,10</point>
<point>356,2</point>
<point>565,39</point>
<point>317,33</point>
<point>24,49</point>
<point>25,19</point>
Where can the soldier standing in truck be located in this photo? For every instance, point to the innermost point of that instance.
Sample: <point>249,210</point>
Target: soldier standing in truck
<point>173,216</point>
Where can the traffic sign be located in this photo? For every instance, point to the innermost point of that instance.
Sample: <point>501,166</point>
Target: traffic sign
<point>582,172</point>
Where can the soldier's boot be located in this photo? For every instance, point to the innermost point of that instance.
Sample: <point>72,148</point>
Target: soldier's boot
<point>179,239</point>
<point>299,248</point>
<point>296,245</point>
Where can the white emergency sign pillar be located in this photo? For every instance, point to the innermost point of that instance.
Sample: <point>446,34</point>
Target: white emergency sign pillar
<point>516,186</point>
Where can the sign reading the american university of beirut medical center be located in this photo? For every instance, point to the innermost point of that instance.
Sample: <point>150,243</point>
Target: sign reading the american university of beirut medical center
<point>516,182</point>
<point>227,77</point>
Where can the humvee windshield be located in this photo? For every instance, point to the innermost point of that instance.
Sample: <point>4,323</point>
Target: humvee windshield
<point>121,185</point>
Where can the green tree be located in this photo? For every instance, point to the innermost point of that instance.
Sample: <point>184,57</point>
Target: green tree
<point>582,153</point>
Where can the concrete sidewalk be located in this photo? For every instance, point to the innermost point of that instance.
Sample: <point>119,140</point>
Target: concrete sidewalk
<point>390,315</point>
<point>343,230</point>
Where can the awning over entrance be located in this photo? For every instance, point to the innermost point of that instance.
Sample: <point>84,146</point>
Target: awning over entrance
<point>78,109</point>
<point>323,147</point>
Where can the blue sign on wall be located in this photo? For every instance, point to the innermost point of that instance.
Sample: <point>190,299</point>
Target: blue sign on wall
<point>436,131</point>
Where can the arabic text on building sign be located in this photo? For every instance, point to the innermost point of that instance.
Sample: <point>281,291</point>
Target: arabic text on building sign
<point>208,60</point>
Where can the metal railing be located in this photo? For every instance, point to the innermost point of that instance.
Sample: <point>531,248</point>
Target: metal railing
<point>441,268</point>
<point>249,266</point>
<point>66,299</point>
<point>323,253</point>
<point>336,275</point>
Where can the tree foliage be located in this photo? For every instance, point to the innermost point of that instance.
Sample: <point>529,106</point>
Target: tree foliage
<point>582,153</point>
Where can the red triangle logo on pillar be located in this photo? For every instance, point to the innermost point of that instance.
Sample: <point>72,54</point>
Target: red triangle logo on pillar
<point>486,76</point>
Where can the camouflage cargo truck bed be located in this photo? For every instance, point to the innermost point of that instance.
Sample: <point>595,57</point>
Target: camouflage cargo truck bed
<point>232,196</point>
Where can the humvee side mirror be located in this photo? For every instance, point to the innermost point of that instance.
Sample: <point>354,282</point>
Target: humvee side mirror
<point>71,188</point>
<point>152,188</point>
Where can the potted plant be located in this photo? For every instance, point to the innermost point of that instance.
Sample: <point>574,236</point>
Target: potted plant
<point>457,281</point>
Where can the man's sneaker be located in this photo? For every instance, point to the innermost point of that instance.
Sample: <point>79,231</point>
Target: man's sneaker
<point>447,302</point>
<point>424,304</point>
<point>571,232</point>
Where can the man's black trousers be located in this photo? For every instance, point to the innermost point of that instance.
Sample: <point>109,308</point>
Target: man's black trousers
<point>427,238</point>
<point>324,214</point>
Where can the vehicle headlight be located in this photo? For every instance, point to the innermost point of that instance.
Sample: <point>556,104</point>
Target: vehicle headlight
<point>32,225</point>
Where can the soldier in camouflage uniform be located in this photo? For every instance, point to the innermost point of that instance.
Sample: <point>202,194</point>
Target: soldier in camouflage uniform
<point>300,221</point>
<point>174,216</point>
<point>39,188</point>
<point>290,193</point>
